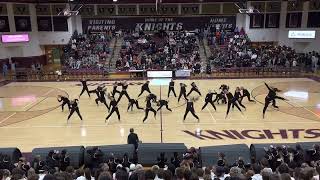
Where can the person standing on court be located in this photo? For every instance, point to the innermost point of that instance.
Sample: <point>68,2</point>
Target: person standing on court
<point>101,96</point>
<point>148,109</point>
<point>171,88</point>
<point>4,69</point>
<point>133,102</point>
<point>114,90</point>
<point>190,108</point>
<point>113,107</point>
<point>162,103</point>
<point>237,97</point>
<point>195,88</point>
<point>183,91</point>
<point>231,100</point>
<point>208,99</point>
<point>271,98</point>
<point>245,93</point>
<point>74,108</point>
<point>124,85</point>
<point>133,138</point>
<point>84,87</point>
<point>145,87</point>
<point>65,101</point>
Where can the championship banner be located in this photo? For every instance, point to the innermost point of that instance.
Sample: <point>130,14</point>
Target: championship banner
<point>96,25</point>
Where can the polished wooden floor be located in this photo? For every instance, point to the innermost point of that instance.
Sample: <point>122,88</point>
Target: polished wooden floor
<point>30,116</point>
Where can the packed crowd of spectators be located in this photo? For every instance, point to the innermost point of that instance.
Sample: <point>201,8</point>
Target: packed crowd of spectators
<point>87,51</point>
<point>234,49</point>
<point>142,51</point>
<point>278,163</point>
<point>180,50</point>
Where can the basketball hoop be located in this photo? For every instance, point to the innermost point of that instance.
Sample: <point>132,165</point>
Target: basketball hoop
<point>249,11</point>
<point>68,12</point>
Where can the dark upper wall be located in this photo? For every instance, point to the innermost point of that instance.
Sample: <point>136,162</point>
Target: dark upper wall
<point>123,1</point>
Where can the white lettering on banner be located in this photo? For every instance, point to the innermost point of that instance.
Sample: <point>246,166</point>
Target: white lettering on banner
<point>159,26</point>
<point>154,20</point>
<point>101,28</point>
<point>224,26</point>
<point>218,20</point>
<point>101,22</point>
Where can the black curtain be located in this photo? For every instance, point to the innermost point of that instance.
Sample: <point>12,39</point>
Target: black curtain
<point>23,23</point>
<point>272,20</point>
<point>313,19</point>
<point>44,23</point>
<point>60,23</point>
<point>293,20</point>
<point>4,24</point>
<point>256,20</point>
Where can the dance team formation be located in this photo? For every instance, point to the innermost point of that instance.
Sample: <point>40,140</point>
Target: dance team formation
<point>224,96</point>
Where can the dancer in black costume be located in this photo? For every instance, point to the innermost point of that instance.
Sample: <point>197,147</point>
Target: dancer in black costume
<point>114,90</point>
<point>195,88</point>
<point>145,87</point>
<point>190,108</point>
<point>149,108</point>
<point>208,99</point>
<point>231,101</point>
<point>152,97</point>
<point>133,102</point>
<point>162,103</point>
<point>171,88</point>
<point>65,101</point>
<point>84,87</point>
<point>271,97</point>
<point>182,91</point>
<point>101,96</point>
<point>114,107</point>
<point>221,96</point>
<point>237,97</point>
<point>245,93</point>
<point>124,85</point>
<point>74,108</point>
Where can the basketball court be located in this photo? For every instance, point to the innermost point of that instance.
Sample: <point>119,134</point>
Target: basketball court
<point>30,115</point>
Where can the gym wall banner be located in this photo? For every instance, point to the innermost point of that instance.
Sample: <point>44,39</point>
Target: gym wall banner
<point>96,25</point>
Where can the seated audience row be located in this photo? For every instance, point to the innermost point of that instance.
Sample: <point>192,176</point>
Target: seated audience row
<point>87,51</point>
<point>278,163</point>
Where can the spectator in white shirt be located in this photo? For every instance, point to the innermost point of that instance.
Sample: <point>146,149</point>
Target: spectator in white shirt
<point>257,170</point>
<point>219,173</point>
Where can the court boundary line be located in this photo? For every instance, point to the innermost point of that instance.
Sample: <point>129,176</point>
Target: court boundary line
<point>48,110</point>
<point>305,108</point>
<point>214,120</point>
<point>45,97</point>
<point>136,124</point>
<point>292,106</point>
<point>8,117</point>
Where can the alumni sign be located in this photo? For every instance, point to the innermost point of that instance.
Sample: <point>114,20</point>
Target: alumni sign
<point>95,25</point>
